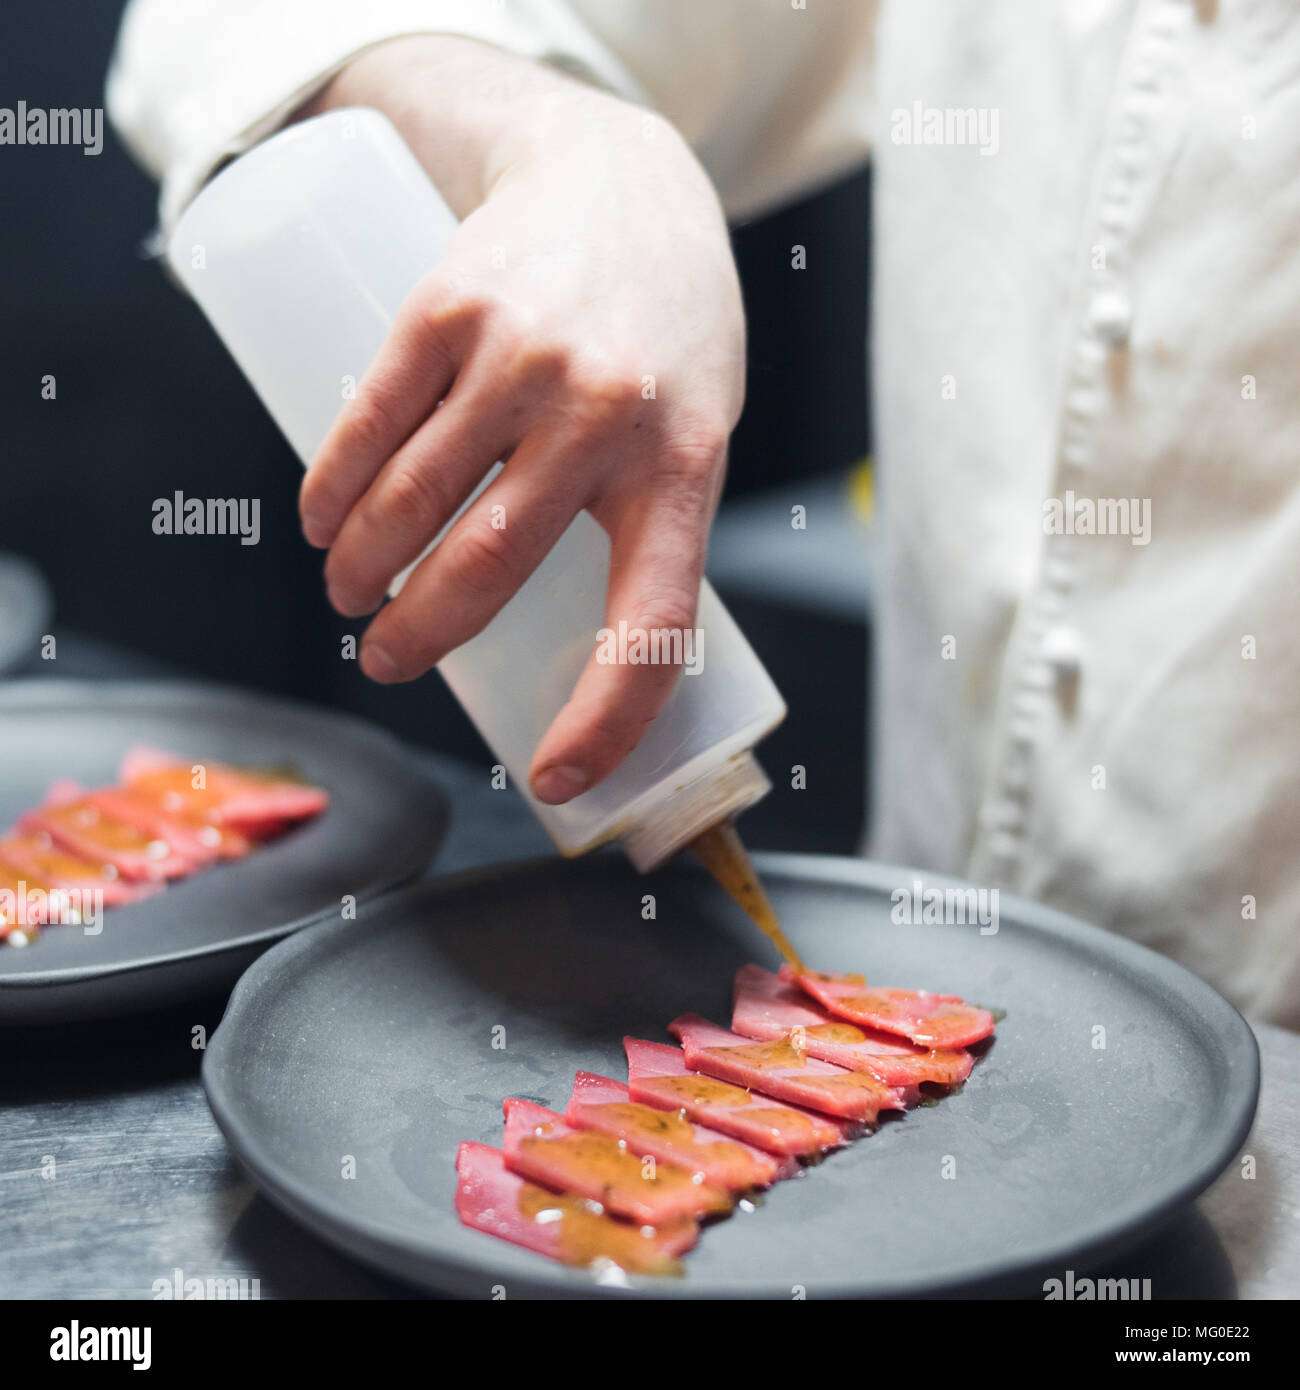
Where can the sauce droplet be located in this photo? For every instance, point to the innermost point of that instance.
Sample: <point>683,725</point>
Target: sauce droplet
<point>585,1235</point>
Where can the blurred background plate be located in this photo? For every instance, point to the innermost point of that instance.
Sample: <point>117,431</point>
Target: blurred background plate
<point>375,1040</point>
<point>384,824</point>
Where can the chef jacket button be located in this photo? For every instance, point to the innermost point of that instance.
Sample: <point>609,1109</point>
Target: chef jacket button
<point>1062,649</point>
<point>1111,316</point>
<point>1076,454</point>
<point>1000,816</point>
<point>1003,849</point>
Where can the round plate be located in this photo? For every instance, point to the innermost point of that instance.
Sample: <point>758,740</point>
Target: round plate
<point>373,1043</point>
<point>382,827</point>
<point>26,606</point>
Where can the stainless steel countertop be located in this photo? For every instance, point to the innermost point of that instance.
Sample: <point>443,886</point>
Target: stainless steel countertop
<point>113,1174</point>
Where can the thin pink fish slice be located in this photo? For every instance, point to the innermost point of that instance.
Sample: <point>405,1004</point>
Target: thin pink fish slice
<point>657,1074</point>
<point>601,1104</point>
<point>767,1008</point>
<point>782,1070</point>
<point>930,1020</point>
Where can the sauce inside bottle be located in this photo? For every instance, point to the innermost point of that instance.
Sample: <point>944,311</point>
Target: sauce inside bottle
<point>720,850</point>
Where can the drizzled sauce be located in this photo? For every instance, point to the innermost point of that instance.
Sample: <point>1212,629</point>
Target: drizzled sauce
<point>697,1090</point>
<point>54,864</point>
<point>612,1170</point>
<point>172,789</point>
<point>934,1065</point>
<point>935,1025</point>
<point>677,1136</point>
<point>671,1125</point>
<point>945,1028</point>
<point>943,1065</point>
<point>108,831</point>
<point>584,1235</point>
<point>778,1120</point>
<point>721,851</point>
<point>875,1003</point>
<point>835,1033</point>
<point>785,1054</point>
<point>198,809</point>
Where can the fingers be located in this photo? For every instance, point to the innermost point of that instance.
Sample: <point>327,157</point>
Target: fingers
<point>418,491</point>
<point>397,466</point>
<point>656,568</point>
<point>458,588</point>
<point>411,372</point>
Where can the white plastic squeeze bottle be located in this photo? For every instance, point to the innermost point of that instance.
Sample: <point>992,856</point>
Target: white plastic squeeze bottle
<point>300,253</point>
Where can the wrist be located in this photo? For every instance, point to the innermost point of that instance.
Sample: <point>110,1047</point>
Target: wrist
<point>468,110</point>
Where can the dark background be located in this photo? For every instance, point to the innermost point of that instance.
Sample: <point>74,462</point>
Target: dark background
<point>148,401</point>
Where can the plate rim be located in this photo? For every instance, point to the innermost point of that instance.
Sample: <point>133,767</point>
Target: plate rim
<point>26,576</point>
<point>12,693</point>
<point>383,1242</point>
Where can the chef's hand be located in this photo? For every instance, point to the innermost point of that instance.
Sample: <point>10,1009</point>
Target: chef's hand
<point>585,324</point>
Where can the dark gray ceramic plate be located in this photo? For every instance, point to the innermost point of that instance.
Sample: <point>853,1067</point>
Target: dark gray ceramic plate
<point>374,1042</point>
<point>383,826</point>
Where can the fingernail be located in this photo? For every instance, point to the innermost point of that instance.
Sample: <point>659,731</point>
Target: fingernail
<point>557,784</point>
<point>378,665</point>
<point>314,532</point>
<point>349,608</point>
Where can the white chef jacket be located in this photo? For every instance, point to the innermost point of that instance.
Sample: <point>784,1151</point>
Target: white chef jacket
<point>1087,285</point>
